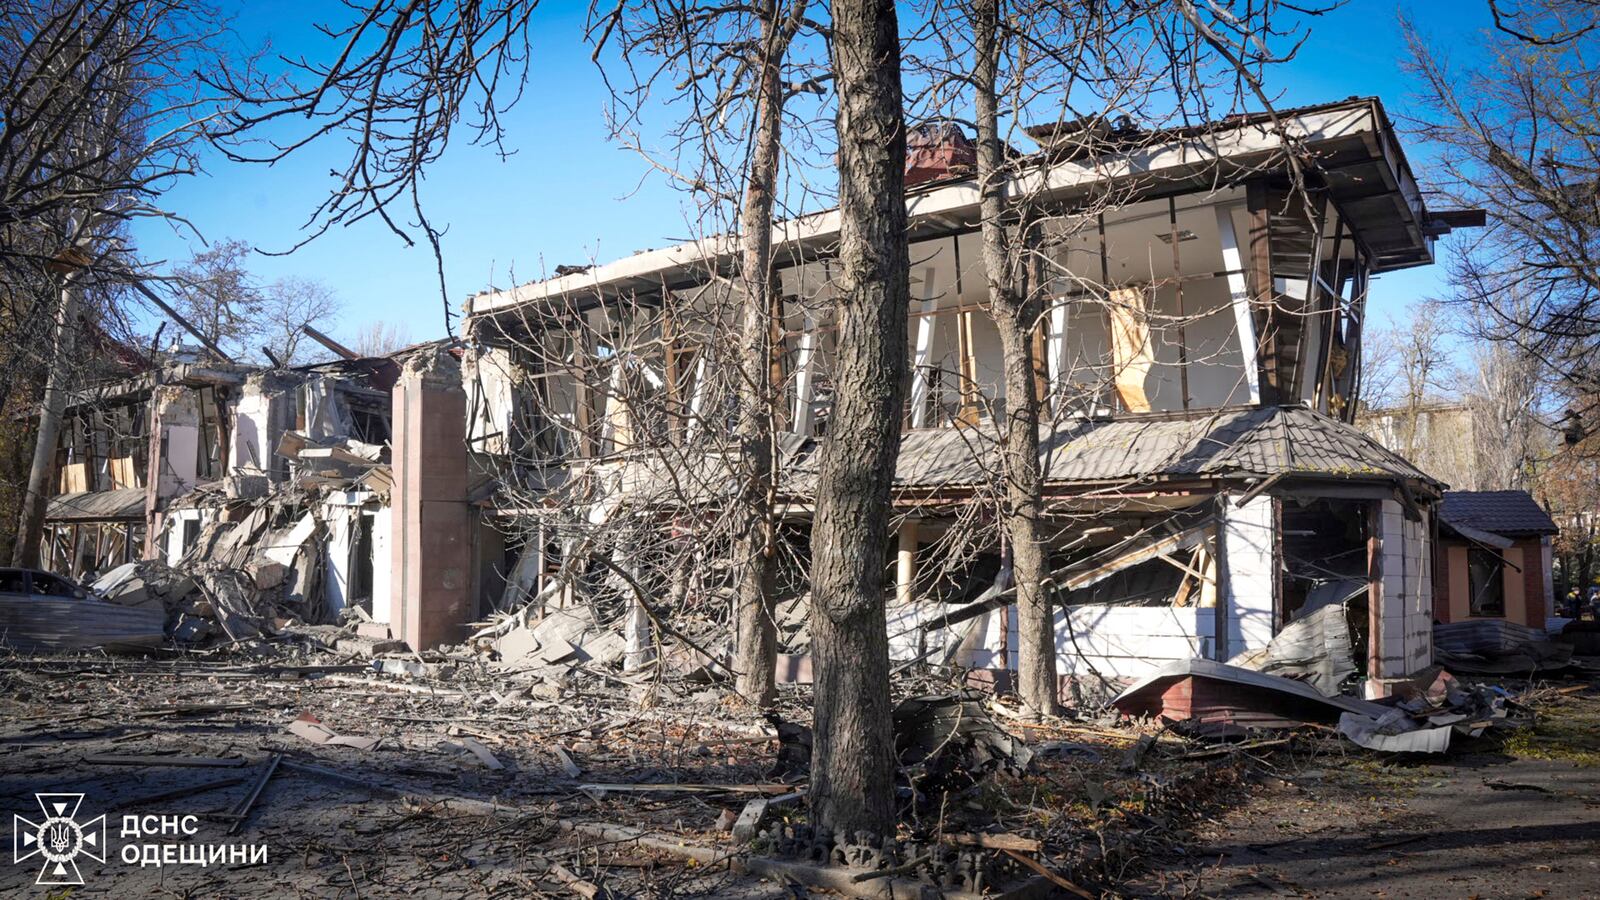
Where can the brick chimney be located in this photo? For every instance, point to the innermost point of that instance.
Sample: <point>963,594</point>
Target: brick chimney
<point>937,151</point>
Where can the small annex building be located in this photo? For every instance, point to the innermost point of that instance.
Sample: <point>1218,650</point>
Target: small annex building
<point>1493,557</point>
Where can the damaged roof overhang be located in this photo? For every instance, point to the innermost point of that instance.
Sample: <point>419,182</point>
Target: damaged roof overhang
<point>1350,143</point>
<point>118,505</point>
<point>1152,463</point>
<point>139,387</point>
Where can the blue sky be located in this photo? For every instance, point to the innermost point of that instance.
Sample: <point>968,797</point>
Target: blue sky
<point>568,195</point>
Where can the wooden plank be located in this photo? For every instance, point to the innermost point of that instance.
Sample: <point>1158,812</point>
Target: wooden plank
<point>202,762</point>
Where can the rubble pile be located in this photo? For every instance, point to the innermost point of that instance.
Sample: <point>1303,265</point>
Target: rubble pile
<point>253,569</point>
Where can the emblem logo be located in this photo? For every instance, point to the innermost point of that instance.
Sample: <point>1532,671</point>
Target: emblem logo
<point>59,839</point>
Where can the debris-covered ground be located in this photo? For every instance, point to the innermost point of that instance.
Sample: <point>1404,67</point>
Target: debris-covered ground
<point>1518,817</point>
<point>440,779</point>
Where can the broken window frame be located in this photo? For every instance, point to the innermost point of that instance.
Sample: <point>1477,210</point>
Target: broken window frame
<point>1486,584</point>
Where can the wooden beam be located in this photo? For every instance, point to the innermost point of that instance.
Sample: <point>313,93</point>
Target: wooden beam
<point>178,317</point>
<point>329,342</point>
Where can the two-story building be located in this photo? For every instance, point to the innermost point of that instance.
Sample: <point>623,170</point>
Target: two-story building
<point>1203,292</point>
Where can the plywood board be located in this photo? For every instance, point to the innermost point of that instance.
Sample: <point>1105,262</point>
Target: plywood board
<point>1131,353</point>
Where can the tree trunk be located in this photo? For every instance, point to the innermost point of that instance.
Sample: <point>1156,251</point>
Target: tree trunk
<point>852,777</point>
<point>753,547</point>
<point>30,527</point>
<point>1015,315</point>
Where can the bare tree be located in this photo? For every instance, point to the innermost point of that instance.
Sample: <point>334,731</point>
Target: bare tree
<point>105,106</point>
<point>381,338</point>
<point>852,786</point>
<point>1507,400</point>
<point>288,305</point>
<point>1083,72</point>
<point>216,292</point>
<point>732,76</point>
<point>401,78</point>
<point>1421,361</point>
<point>1515,129</point>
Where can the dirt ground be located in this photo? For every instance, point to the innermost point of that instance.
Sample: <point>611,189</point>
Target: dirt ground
<point>1514,819</point>
<point>422,816</point>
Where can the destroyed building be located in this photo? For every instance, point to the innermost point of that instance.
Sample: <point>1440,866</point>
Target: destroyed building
<point>1201,342</point>
<point>282,476</point>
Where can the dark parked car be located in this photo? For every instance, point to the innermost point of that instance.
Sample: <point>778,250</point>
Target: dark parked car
<point>42,611</point>
<point>38,583</point>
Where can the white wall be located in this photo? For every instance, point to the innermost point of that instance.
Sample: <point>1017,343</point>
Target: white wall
<point>180,460</point>
<point>1130,641</point>
<point>1405,639</point>
<point>249,453</point>
<point>174,521</point>
<point>1250,576</point>
<point>339,520</point>
<point>382,568</point>
<point>487,379</point>
<point>340,516</point>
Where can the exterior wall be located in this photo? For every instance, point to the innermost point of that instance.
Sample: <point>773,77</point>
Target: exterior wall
<point>1249,538</point>
<point>1512,575</point>
<point>339,523</point>
<point>1405,622</point>
<point>487,376</point>
<point>172,546</point>
<point>1113,641</point>
<point>264,411</point>
<point>1536,577</point>
<point>1130,641</point>
<point>176,456</point>
<point>1527,592</point>
<point>382,574</point>
<point>1458,591</point>
<point>1124,641</point>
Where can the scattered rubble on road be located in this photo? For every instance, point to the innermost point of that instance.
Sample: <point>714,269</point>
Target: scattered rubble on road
<point>525,767</point>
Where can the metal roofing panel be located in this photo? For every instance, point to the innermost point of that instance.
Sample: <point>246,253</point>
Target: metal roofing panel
<point>90,506</point>
<point>1500,512</point>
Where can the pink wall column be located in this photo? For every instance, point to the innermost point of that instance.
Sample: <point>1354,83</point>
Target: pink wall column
<point>432,542</point>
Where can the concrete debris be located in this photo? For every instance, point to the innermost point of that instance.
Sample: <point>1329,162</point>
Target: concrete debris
<point>311,729</point>
<point>562,636</point>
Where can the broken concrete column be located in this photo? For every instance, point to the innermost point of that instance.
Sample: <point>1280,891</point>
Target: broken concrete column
<point>431,547</point>
<point>264,411</point>
<point>638,638</point>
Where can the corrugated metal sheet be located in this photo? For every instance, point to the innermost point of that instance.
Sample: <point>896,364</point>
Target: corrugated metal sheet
<point>29,624</point>
<point>91,506</point>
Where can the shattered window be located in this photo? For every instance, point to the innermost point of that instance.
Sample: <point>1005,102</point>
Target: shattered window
<point>1486,582</point>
